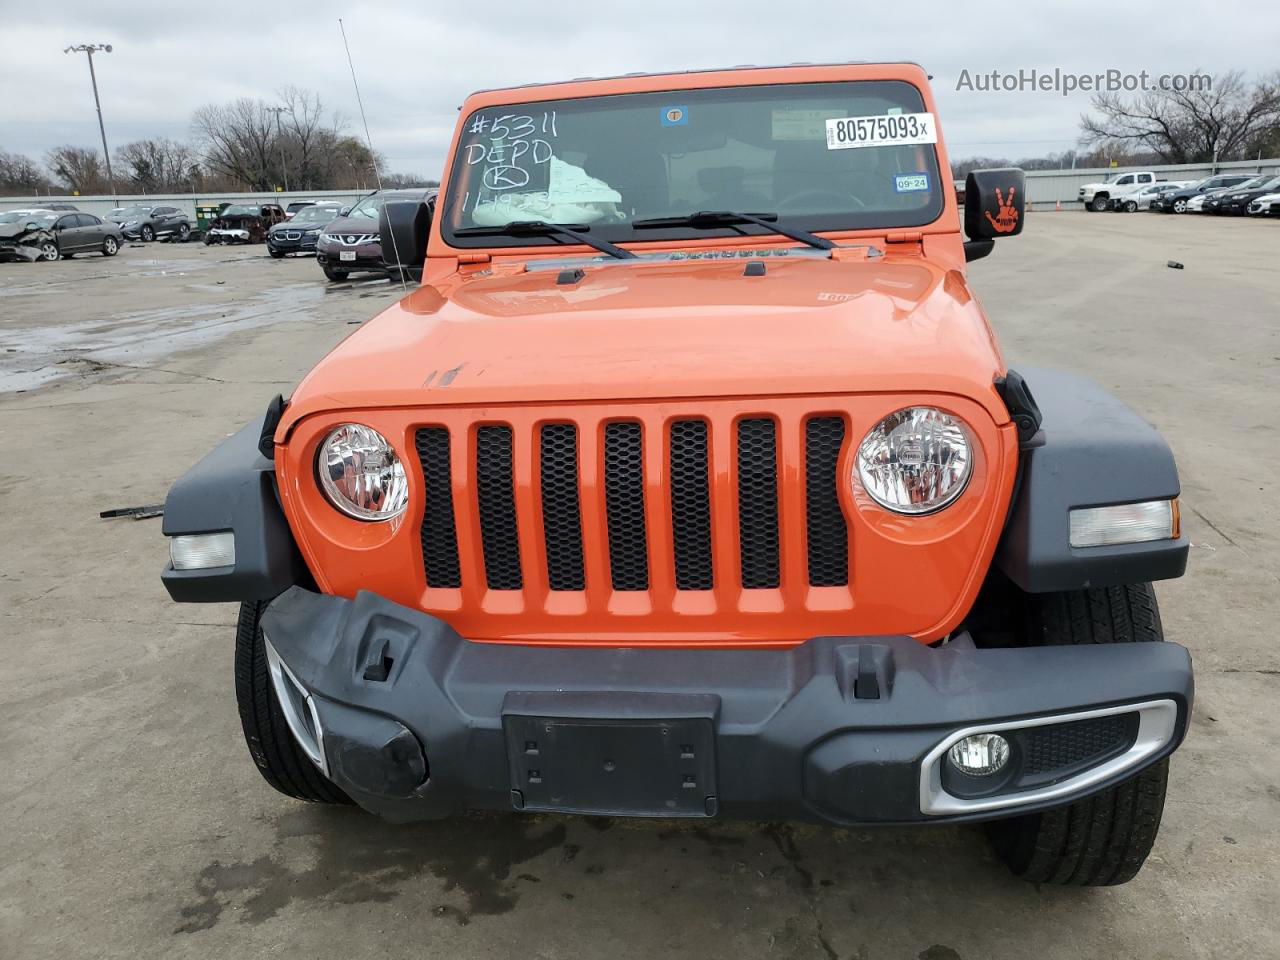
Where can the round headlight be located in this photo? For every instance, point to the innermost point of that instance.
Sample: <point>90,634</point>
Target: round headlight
<point>361,474</point>
<point>915,461</point>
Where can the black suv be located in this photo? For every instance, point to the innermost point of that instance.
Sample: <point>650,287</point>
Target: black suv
<point>1237,202</point>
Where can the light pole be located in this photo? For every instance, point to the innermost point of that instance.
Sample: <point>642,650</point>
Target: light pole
<point>280,140</point>
<point>91,49</point>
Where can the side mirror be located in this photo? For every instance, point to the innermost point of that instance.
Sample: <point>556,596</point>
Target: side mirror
<point>994,204</point>
<point>344,211</point>
<point>403,229</point>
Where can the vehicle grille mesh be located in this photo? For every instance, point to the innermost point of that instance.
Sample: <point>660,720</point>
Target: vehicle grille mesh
<point>561,512</point>
<point>828,531</point>
<point>584,491</point>
<point>1053,747</point>
<point>690,505</point>
<point>495,496</point>
<point>439,531</point>
<point>758,503</point>
<point>624,505</point>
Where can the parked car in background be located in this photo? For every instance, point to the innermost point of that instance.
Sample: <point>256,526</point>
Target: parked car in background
<point>85,233</point>
<point>53,234</point>
<point>244,223</point>
<point>1098,196</point>
<point>27,234</point>
<point>1178,201</point>
<point>58,206</point>
<point>1235,202</point>
<point>1267,205</point>
<point>351,243</point>
<point>1142,198</point>
<point>146,223</point>
<point>291,210</point>
<point>300,233</point>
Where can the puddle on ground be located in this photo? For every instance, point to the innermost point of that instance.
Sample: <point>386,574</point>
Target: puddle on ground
<point>32,356</point>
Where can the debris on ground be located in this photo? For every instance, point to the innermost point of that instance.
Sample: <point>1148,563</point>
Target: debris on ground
<point>137,513</point>
<point>1174,265</point>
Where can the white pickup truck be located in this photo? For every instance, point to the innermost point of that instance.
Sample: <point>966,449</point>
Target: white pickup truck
<point>1098,196</point>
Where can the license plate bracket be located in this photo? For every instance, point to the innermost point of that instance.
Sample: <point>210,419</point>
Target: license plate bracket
<point>346,255</point>
<point>638,756</point>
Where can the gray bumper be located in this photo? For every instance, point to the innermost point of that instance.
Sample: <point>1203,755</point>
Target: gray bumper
<point>414,722</point>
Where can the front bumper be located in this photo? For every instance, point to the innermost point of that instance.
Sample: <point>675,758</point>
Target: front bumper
<point>368,256</point>
<point>414,722</point>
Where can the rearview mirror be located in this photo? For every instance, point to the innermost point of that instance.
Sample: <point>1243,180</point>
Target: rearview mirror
<point>403,228</point>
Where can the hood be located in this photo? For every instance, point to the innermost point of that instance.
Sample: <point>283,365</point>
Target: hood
<point>657,330</point>
<point>356,226</point>
<point>9,231</point>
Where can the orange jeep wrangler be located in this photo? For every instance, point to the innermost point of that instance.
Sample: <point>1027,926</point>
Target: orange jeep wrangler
<point>691,482</point>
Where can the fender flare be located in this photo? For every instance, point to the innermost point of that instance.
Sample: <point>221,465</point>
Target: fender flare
<point>1092,450</point>
<point>234,488</point>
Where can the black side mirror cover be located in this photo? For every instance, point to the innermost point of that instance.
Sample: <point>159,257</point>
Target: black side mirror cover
<point>994,203</point>
<point>404,228</point>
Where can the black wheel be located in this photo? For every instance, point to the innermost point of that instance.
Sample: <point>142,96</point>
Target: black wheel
<point>184,231</point>
<point>110,247</point>
<point>334,274</point>
<point>1180,205</point>
<point>277,254</point>
<point>1099,204</point>
<point>147,233</point>
<point>278,757</point>
<point>1105,839</point>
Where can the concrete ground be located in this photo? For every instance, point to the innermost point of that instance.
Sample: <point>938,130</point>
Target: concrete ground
<point>134,823</point>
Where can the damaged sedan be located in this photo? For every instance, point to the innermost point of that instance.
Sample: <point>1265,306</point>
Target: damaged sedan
<point>28,235</point>
<point>244,223</point>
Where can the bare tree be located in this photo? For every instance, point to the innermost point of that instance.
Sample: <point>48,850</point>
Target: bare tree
<point>78,169</point>
<point>304,134</point>
<point>21,174</point>
<point>1190,126</point>
<point>238,140</point>
<point>157,165</point>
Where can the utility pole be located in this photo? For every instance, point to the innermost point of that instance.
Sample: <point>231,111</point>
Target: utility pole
<point>91,49</point>
<point>280,140</point>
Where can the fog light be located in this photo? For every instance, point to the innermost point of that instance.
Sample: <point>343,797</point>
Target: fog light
<point>980,754</point>
<point>200,551</point>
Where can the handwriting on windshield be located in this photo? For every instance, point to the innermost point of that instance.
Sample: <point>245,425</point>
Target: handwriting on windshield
<point>511,147</point>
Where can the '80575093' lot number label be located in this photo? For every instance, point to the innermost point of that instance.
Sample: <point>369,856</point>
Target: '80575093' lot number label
<point>885,130</point>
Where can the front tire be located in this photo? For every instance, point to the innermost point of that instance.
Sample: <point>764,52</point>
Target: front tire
<point>275,753</point>
<point>1104,839</point>
<point>1130,206</point>
<point>184,232</point>
<point>49,251</point>
<point>110,247</point>
<point>337,276</point>
<point>1179,206</point>
<point>147,233</point>
<point>1100,204</point>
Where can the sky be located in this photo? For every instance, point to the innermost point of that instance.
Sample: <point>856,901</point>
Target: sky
<point>417,61</point>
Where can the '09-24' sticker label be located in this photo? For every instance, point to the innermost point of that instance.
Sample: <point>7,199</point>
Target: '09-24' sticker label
<point>885,130</point>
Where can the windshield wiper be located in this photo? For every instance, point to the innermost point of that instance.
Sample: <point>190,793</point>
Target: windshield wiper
<point>542,228</point>
<point>707,219</point>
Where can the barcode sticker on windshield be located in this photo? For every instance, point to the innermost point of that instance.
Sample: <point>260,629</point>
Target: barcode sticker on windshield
<point>881,131</point>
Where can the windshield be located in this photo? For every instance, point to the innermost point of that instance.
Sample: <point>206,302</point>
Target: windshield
<point>242,210</point>
<point>16,216</point>
<point>798,151</point>
<point>320,214</point>
<point>131,212</point>
<point>370,205</point>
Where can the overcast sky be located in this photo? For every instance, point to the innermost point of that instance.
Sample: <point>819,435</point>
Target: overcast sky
<point>416,61</point>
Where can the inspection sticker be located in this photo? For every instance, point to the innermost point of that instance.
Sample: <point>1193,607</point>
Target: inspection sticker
<point>907,182</point>
<point>901,129</point>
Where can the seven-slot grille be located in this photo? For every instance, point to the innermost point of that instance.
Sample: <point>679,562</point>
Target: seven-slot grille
<point>622,449</point>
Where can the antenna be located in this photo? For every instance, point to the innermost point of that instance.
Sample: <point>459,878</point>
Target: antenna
<point>369,142</point>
